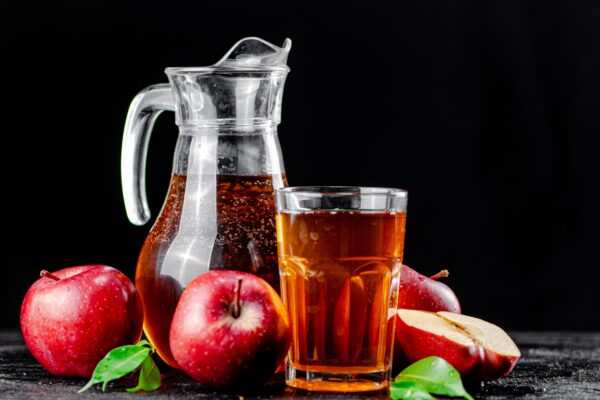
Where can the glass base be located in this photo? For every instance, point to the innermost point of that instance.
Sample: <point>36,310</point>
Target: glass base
<point>336,382</point>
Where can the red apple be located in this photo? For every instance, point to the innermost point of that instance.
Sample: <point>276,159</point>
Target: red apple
<point>71,318</point>
<point>418,292</point>
<point>477,349</point>
<point>230,330</point>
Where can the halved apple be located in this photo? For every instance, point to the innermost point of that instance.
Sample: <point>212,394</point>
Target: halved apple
<point>477,349</point>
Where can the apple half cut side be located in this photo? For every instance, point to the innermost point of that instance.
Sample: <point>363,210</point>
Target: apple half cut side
<point>477,349</point>
<point>500,352</point>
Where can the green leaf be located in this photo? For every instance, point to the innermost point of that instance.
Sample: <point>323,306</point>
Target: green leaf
<point>407,390</point>
<point>149,377</point>
<point>117,363</point>
<point>434,375</point>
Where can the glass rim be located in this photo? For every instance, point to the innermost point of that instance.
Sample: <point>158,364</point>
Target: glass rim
<point>211,69</point>
<point>338,191</point>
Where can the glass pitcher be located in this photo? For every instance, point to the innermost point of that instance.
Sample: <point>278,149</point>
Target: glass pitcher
<point>219,212</point>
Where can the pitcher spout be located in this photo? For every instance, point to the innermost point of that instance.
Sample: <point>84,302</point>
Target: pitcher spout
<point>255,52</point>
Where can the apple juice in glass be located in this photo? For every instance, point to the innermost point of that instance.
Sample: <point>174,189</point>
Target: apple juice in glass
<point>340,251</point>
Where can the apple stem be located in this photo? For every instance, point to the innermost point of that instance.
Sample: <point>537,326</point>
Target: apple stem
<point>236,298</point>
<point>46,274</point>
<point>442,274</point>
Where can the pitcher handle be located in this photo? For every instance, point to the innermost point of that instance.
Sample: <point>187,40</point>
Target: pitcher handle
<point>144,109</point>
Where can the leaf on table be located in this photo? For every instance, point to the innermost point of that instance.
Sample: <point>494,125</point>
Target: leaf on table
<point>433,375</point>
<point>407,390</point>
<point>117,363</point>
<point>149,377</point>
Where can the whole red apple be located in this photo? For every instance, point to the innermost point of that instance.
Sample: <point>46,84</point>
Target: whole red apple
<point>71,318</point>
<point>477,349</point>
<point>419,292</point>
<point>230,330</point>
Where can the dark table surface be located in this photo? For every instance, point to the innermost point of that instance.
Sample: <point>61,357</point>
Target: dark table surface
<point>555,365</point>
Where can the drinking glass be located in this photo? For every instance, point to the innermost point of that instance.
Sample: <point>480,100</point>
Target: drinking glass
<point>340,250</point>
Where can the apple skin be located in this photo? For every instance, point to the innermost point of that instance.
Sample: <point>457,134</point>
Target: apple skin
<point>219,350</point>
<point>419,292</point>
<point>70,324</point>
<point>494,366</point>
<point>466,347</point>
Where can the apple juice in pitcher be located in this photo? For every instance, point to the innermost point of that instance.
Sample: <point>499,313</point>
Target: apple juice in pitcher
<point>219,212</point>
<point>245,241</point>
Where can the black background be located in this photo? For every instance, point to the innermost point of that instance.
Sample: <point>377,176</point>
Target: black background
<point>486,111</point>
